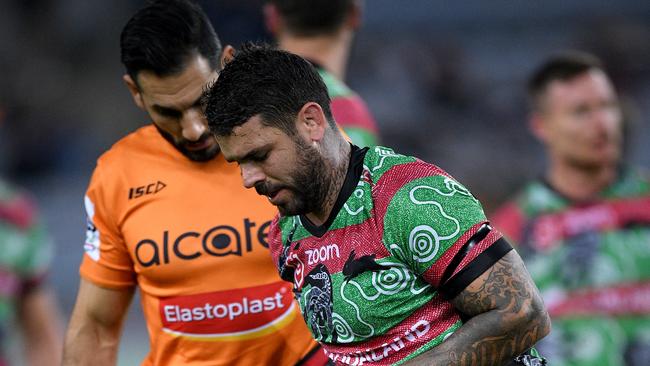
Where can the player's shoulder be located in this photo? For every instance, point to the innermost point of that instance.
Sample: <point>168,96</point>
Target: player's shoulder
<point>134,143</point>
<point>335,87</point>
<point>17,205</point>
<point>633,182</point>
<point>286,228</point>
<point>280,232</point>
<point>387,167</point>
<point>534,198</point>
<point>128,158</point>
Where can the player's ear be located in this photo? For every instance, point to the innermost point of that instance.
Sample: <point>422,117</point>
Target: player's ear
<point>311,122</point>
<point>227,55</point>
<point>355,14</point>
<point>134,90</point>
<point>537,126</point>
<point>272,19</point>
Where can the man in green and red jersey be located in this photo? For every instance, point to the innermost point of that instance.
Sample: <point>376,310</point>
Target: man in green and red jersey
<point>322,31</point>
<point>29,311</point>
<point>392,261</point>
<point>28,308</point>
<point>584,228</point>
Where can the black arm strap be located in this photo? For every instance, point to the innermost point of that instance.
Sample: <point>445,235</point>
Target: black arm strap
<point>482,232</point>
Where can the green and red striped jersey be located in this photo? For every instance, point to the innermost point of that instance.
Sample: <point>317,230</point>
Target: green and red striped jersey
<point>373,281</point>
<point>350,111</point>
<point>25,255</point>
<point>591,262</point>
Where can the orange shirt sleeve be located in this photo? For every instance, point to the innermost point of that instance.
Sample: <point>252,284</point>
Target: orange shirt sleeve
<point>106,261</point>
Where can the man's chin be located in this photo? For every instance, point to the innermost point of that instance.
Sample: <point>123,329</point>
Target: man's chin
<point>201,155</point>
<point>288,211</point>
<point>293,209</point>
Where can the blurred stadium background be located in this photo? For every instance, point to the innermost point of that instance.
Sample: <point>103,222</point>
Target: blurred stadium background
<point>444,79</point>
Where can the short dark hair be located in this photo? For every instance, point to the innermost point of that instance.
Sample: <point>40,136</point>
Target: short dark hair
<point>164,35</point>
<point>563,67</point>
<point>260,80</point>
<point>313,17</point>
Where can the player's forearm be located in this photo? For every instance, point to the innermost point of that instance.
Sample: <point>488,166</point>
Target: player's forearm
<point>43,353</point>
<point>491,338</point>
<point>95,325</point>
<point>90,345</point>
<point>44,346</point>
<point>507,316</point>
<point>40,320</point>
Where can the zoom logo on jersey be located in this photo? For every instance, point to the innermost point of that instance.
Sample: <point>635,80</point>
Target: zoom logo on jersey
<point>322,254</point>
<point>151,188</point>
<point>218,241</point>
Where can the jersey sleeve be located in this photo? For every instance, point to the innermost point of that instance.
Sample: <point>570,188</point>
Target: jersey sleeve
<point>39,258</point>
<point>106,261</point>
<point>439,230</point>
<point>275,242</point>
<point>280,234</point>
<point>352,114</point>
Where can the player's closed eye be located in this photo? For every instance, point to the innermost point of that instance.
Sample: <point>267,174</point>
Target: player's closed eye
<point>168,112</point>
<point>260,157</point>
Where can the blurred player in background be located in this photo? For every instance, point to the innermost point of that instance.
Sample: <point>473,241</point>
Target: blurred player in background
<point>322,31</point>
<point>26,300</point>
<point>392,260</point>
<point>168,215</point>
<point>584,228</point>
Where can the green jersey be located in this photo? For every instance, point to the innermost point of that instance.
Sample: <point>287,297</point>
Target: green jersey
<point>25,253</point>
<point>350,111</point>
<point>591,262</point>
<point>373,281</point>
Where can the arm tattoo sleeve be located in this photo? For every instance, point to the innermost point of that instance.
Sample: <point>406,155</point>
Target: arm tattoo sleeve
<point>506,316</point>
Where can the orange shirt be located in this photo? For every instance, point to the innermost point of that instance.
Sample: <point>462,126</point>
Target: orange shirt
<point>194,240</point>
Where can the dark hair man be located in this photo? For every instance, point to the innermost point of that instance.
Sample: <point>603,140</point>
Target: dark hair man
<point>584,228</point>
<point>322,32</point>
<point>166,214</point>
<point>391,259</point>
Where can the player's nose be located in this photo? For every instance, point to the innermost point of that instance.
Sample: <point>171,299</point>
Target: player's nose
<point>193,125</point>
<point>251,174</point>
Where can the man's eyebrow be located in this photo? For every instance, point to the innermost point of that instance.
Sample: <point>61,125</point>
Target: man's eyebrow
<point>162,109</point>
<point>251,154</point>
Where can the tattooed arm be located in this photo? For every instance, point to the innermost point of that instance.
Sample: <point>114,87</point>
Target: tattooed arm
<point>507,316</point>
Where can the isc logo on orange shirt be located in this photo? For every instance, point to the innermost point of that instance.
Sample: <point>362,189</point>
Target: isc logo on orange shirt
<point>229,315</point>
<point>151,188</point>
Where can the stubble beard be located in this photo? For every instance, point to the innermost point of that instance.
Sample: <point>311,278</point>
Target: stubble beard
<point>198,155</point>
<point>311,181</point>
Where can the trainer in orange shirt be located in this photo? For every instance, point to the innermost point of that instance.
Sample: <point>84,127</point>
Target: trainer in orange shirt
<point>166,213</point>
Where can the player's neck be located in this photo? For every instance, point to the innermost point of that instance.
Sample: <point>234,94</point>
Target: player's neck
<point>339,161</point>
<point>331,52</point>
<point>581,184</point>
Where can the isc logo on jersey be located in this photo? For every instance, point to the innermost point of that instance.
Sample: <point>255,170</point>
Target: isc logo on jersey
<point>229,315</point>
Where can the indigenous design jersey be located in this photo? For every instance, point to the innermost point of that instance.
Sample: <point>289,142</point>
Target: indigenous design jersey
<point>195,242</point>
<point>370,280</point>
<point>591,262</point>
<point>350,111</point>
<point>25,255</point>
